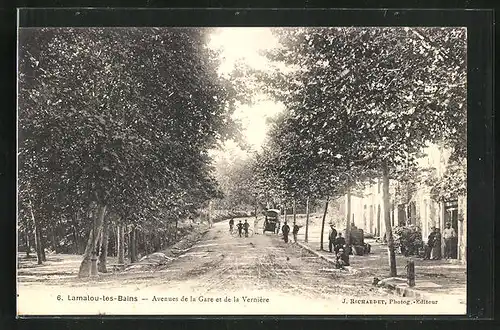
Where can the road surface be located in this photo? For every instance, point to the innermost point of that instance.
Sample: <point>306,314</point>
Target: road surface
<point>264,274</point>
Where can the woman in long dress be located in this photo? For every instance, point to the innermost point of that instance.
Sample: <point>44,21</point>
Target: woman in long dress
<point>430,244</point>
<point>436,248</point>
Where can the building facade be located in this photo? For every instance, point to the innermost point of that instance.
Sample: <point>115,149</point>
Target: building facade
<point>409,205</point>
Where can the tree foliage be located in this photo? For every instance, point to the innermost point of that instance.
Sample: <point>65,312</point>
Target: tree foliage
<point>363,102</point>
<point>119,117</point>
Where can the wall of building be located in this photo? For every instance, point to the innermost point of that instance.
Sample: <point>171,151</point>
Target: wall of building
<point>425,212</point>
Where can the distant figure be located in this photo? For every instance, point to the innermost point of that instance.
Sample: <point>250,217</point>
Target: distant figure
<point>332,235</point>
<point>245,227</point>
<point>278,227</point>
<point>339,243</point>
<point>240,228</point>
<point>449,235</point>
<point>286,230</point>
<point>436,247</point>
<point>430,244</point>
<point>231,225</point>
<point>295,231</point>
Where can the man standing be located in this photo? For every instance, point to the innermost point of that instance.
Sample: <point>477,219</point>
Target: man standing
<point>331,237</point>
<point>245,226</point>
<point>231,225</point>
<point>286,230</point>
<point>448,235</point>
<point>295,232</point>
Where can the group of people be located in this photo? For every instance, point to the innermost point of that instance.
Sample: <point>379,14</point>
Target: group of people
<point>335,240</point>
<point>337,244</point>
<point>433,247</point>
<point>285,229</point>
<point>242,227</point>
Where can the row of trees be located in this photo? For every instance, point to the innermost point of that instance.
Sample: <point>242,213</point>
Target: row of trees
<point>361,103</point>
<point>114,131</point>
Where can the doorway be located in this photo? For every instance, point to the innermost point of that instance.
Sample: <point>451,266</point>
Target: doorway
<point>451,216</point>
<point>401,215</point>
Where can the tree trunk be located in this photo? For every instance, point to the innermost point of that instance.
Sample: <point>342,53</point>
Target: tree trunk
<point>75,233</point>
<point>307,220</point>
<point>348,215</point>
<point>53,236</point>
<point>294,212</point>
<point>28,245</point>
<point>99,240</point>
<point>121,245</point>
<point>284,212</point>
<point>77,239</point>
<point>323,223</point>
<point>36,230</point>
<point>176,226</point>
<point>98,220</point>
<point>104,250</point>
<point>133,245</point>
<point>42,246</point>
<point>387,219</point>
<point>117,241</point>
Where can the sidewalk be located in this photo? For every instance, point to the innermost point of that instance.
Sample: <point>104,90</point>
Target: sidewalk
<point>433,278</point>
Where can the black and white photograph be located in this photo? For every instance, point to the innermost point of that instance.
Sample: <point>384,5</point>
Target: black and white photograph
<point>242,170</point>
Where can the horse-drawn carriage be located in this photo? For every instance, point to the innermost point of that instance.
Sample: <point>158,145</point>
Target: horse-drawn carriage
<point>357,240</point>
<point>271,220</point>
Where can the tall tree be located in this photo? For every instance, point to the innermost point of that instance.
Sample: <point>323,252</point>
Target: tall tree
<point>391,90</point>
<point>122,119</point>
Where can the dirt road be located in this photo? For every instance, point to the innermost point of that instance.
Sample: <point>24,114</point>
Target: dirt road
<point>262,272</point>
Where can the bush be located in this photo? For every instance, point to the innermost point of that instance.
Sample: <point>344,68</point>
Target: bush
<point>408,239</point>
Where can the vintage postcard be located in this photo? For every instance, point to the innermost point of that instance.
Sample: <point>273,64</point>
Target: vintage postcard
<point>242,170</point>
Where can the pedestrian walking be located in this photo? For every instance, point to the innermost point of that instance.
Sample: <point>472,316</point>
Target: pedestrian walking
<point>332,235</point>
<point>286,230</point>
<point>449,235</point>
<point>295,232</point>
